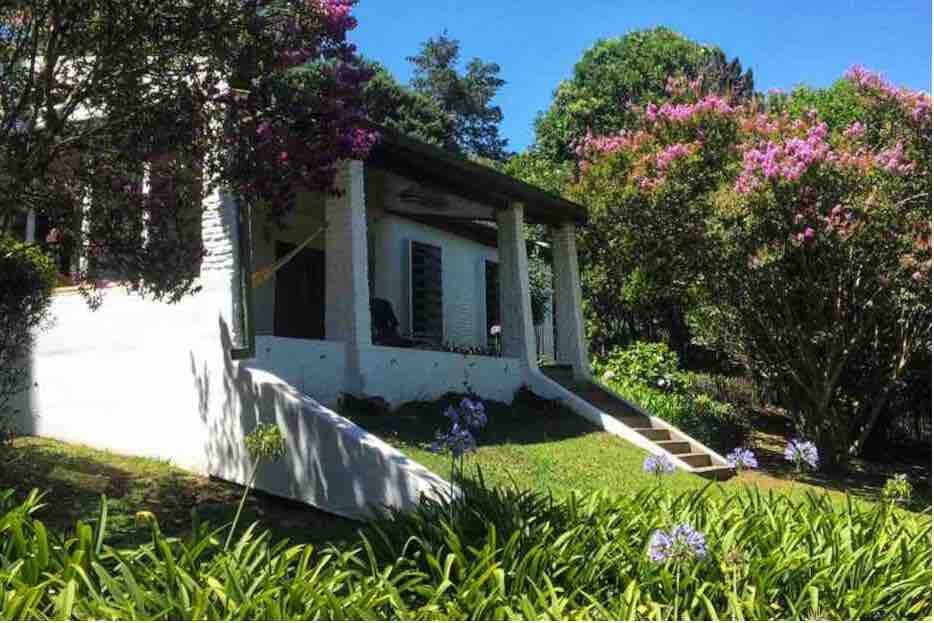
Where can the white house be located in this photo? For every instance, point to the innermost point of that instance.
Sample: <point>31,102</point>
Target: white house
<point>363,293</point>
<point>415,233</point>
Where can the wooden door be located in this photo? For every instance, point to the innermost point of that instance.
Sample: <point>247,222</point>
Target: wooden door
<point>300,294</point>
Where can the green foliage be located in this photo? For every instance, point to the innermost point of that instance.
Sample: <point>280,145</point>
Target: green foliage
<point>897,489</point>
<point>629,70</point>
<point>396,106</point>
<point>265,442</point>
<point>494,554</point>
<point>465,97</point>
<point>652,364</point>
<point>540,289</point>
<point>647,374</point>
<point>27,277</point>
<point>716,424</point>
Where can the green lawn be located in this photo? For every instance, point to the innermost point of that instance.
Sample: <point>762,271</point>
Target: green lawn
<point>541,445</point>
<point>533,444</point>
<point>74,478</point>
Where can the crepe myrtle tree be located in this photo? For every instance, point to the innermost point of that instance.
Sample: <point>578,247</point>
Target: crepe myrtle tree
<point>645,250</point>
<point>827,237</point>
<point>817,243</point>
<point>261,96</point>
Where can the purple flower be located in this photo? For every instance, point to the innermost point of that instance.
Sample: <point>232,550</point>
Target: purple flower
<point>658,464</point>
<point>473,414</point>
<point>742,458</point>
<point>458,441</point>
<point>681,544</point>
<point>801,452</point>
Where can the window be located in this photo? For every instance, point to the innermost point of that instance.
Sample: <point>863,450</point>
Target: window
<point>491,270</point>
<point>427,299</point>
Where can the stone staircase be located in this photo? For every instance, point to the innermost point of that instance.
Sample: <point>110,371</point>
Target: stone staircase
<point>684,448</point>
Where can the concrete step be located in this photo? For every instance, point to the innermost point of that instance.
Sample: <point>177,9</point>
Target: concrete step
<point>636,421</point>
<point>696,459</point>
<point>715,472</point>
<point>676,447</point>
<point>654,434</point>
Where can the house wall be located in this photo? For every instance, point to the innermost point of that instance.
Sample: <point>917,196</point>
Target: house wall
<point>401,375</point>
<point>138,376</point>
<point>463,277</point>
<point>150,379</point>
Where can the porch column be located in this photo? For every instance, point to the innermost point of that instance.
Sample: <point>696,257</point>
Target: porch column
<point>515,302</point>
<point>347,289</point>
<point>572,345</point>
<point>30,227</point>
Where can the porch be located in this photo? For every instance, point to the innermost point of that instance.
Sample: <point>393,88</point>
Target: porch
<point>392,287</point>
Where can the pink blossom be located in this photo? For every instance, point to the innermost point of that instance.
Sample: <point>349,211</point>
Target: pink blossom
<point>893,160</point>
<point>855,130</point>
<point>673,152</point>
<point>916,103</point>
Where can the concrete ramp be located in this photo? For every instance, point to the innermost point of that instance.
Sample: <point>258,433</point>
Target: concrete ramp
<point>330,462</point>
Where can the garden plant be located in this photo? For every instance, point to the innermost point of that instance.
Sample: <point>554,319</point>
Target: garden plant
<point>493,554</point>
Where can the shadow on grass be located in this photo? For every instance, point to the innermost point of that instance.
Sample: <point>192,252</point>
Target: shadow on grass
<point>529,420</point>
<point>74,478</point>
<point>864,479</point>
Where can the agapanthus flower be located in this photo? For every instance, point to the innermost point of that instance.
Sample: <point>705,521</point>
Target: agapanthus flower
<point>742,458</point>
<point>681,544</point>
<point>458,441</point>
<point>802,452</point>
<point>658,465</point>
<point>473,413</point>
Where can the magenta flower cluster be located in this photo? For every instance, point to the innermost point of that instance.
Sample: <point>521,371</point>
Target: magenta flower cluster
<point>673,152</point>
<point>684,112</point>
<point>787,160</point>
<point>337,15</point>
<point>916,103</point>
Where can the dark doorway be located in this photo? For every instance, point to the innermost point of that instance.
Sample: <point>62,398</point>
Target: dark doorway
<point>300,294</point>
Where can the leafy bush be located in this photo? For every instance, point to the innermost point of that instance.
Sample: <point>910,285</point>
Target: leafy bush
<point>494,554</point>
<point>715,424</point>
<point>647,374</point>
<point>27,277</point>
<point>648,363</point>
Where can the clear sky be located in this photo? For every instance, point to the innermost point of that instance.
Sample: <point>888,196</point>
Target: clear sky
<point>537,42</point>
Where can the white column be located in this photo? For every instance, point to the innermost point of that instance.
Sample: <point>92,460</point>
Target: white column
<point>569,316</point>
<point>83,259</point>
<point>347,288</point>
<point>30,227</point>
<point>515,302</point>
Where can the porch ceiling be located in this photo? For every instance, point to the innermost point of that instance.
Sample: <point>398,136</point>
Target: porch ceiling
<point>435,166</point>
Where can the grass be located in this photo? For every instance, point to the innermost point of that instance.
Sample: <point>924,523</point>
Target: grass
<point>542,446</point>
<point>494,554</point>
<point>533,444</point>
<point>74,478</point>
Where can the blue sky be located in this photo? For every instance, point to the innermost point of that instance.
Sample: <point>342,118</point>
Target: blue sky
<point>537,42</point>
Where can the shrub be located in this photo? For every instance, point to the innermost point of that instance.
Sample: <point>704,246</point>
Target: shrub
<point>647,374</point>
<point>27,277</point>
<point>648,363</point>
<point>494,554</point>
<point>715,424</point>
